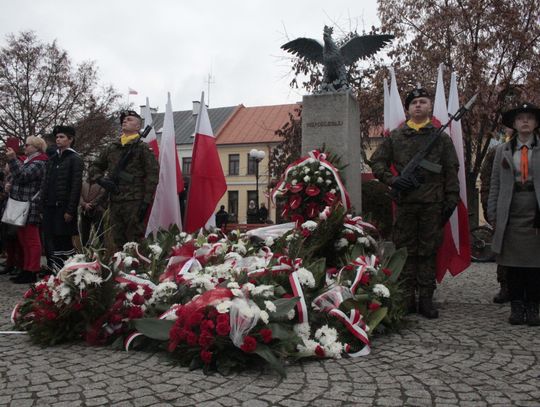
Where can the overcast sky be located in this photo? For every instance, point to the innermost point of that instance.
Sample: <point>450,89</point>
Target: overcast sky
<point>158,46</point>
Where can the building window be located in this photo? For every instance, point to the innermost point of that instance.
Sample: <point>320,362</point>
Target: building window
<point>186,166</point>
<point>252,165</point>
<point>233,206</point>
<point>234,164</point>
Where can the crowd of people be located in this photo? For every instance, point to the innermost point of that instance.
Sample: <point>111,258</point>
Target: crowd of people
<point>64,204</point>
<point>511,197</point>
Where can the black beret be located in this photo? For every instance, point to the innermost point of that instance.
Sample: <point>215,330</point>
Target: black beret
<point>509,117</point>
<point>127,113</point>
<point>67,130</point>
<point>415,93</point>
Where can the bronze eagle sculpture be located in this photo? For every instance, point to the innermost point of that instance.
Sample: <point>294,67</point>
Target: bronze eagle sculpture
<point>335,58</point>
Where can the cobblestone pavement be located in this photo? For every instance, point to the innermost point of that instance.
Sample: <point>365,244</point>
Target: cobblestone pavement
<point>470,356</point>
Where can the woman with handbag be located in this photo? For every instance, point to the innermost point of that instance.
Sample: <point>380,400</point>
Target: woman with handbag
<point>26,183</point>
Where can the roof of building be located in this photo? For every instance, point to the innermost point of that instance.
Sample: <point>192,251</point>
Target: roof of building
<point>255,124</point>
<point>184,122</point>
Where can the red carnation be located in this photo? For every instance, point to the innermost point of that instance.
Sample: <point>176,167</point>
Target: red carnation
<point>213,238</point>
<point>191,338</point>
<point>207,325</point>
<point>350,236</point>
<point>295,201</point>
<point>206,357</point>
<point>206,340</point>
<point>365,279</point>
<point>296,188</point>
<point>121,296</point>
<point>195,318</point>
<point>135,312</point>
<point>266,335</point>
<point>319,351</point>
<point>223,319</point>
<point>147,292</point>
<point>329,198</point>
<point>249,345</point>
<point>374,306</point>
<point>223,328</point>
<point>132,286</point>
<point>137,299</point>
<point>312,190</point>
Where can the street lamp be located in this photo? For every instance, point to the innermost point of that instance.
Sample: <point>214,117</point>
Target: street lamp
<point>258,156</point>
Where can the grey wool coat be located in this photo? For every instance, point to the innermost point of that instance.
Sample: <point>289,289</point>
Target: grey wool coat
<point>502,189</point>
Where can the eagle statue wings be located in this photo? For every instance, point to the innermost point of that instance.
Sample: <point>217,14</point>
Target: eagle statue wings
<point>335,58</point>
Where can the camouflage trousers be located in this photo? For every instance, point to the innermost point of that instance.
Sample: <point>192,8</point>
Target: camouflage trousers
<point>125,223</point>
<point>418,228</point>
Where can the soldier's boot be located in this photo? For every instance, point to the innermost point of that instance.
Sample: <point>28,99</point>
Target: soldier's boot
<point>502,296</point>
<point>426,308</point>
<point>531,314</point>
<point>517,312</point>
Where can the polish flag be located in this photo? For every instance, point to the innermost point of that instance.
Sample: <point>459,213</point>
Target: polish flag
<point>132,91</point>
<point>454,255</point>
<point>396,114</point>
<point>151,140</point>
<point>207,184</point>
<point>166,207</point>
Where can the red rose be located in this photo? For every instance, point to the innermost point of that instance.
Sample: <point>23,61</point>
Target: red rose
<point>329,198</point>
<point>137,299</point>
<point>374,306</point>
<point>266,335</point>
<point>249,345</point>
<point>115,319</point>
<point>135,312</point>
<point>206,340</point>
<point>319,351</point>
<point>223,328</point>
<point>195,318</point>
<point>212,238</point>
<point>223,319</point>
<point>312,210</point>
<point>206,357</point>
<point>191,338</point>
<point>296,188</point>
<point>312,190</point>
<point>295,201</point>
<point>207,325</point>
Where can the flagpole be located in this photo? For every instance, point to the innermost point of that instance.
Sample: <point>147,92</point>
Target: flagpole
<point>198,122</point>
<point>197,126</point>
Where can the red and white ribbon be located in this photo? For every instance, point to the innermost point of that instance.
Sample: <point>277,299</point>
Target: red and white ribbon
<point>129,340</point>
<point>284,263</point>
<point>129,278</point>
<point>298,292</point>
<point>355,325</point>
<point>15,313</point>
<point>357,224</point>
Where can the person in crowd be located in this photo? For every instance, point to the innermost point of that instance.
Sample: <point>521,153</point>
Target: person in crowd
<point>13,249</point>
<point>422,211</point>
<point>263,213</point>
<point>26,179</point>
<point>252,212</point>
<point>92,209</point>
<point>129,172</point>
<point>61,190</point>
<point>513,211</point>
<point>485,179</point>
<point>222,218</point>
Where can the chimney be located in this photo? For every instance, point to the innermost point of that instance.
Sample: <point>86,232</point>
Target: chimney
<point>196,107</point>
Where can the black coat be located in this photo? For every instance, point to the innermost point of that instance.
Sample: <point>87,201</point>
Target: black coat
<point>61,191</point>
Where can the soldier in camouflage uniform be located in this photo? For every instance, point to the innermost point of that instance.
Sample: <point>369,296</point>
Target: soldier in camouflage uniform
<point>485,179</point>
<point>131,185</point>
<point>421,212</point>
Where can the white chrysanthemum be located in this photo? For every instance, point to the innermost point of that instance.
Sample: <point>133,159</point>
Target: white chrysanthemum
<point>294,182</point>
<point>270,306</point>
<point>326,335</point>
<point>223,307</point>
<point>127,261</point>
<point>341,243</point>
<point>307,178</point>
<point>320,180</point>
<point>291,314</point>
<point>364,241</point>
<point>129,246</point>
<point>269,241</point>
<point>239,248</point>
<point>92,278</point>
<point>155,249</point>
<point>233,284</point>
<point>263,290</point>
<point>289,237</point>
<point>309,225</point>
<point>321,168</point>
<point>303,329</point>
<point>163,291</point>
<point>380,290</point>
<point>248,287</point>
<point>305,277</point>
<point>334,350</point>
<point>307,347</point>
<point>237,292</point>
<point>311,160</point>
<point>307,170</point>
<point>264,317</point>
<point>183,235</point>
<point>332,191</point>
<point>328,182</point>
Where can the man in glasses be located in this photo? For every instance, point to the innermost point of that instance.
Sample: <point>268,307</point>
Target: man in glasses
<point>129,172</point>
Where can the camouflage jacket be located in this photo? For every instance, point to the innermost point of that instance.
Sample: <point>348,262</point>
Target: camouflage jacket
<point>400,147</point>
<point>140,176</point>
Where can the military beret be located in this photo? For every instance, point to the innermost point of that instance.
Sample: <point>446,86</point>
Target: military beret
<point>67,130</point>
<point>509,117</point>
<point>415,93</point>
<point>127,113</point>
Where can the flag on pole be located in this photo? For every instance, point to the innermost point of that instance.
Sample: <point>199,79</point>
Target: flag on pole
<point>151,139</point>
<point>132,91</point>
<point>207,184</point>
<point>166,207</point>
<point>454,255</point>
<point>396,114</point>
<point>386,118</point>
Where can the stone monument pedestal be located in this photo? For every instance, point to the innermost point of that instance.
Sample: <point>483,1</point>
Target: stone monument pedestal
<point>333,119</point>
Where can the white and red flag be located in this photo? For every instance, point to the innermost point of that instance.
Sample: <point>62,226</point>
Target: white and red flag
<point>454,255</point>
<point>396,114</point>
<point>166,207</point>
<point>207,184</point>
<point>151,140</point>
<point>132,91</point>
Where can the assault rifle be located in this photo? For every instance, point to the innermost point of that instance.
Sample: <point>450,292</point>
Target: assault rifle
<point>110,184</point>
<point>408,174</point>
